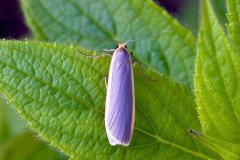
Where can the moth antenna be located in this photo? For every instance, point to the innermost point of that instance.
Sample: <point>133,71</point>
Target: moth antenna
<point>101,37</point>
<point>143,38</point>
<point>94,56</point>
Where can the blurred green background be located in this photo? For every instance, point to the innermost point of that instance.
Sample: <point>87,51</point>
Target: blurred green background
<point>19,143</point>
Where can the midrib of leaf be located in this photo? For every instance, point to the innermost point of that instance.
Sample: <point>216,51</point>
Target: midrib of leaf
<point>161,140</point>
<point>146,116</point>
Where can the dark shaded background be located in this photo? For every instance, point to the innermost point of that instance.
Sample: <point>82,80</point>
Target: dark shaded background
<point>173,6</point>
<point>12,22</point>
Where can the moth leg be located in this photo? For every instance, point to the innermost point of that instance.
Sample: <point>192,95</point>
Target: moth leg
<point>142,73</point>
<point>106,81</point>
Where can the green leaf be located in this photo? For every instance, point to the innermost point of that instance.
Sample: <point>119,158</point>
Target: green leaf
<point>61,94</point>
<point>26,147</point>
<point>234,21</point>
<point>217,80</point>
<point>172,52</point>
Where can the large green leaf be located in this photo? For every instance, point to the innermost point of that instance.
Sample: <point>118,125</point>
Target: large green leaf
<point>61,94</point>
<point>217,80</point>
<point>64,21</point>
<point>234,21</point>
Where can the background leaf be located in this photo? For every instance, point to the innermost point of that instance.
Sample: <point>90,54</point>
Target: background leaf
<point>16,143</point>
<point>62,94</point>
<point>4,128</point>
<point>217,80</point>
<point>10,124</point>
<point>26,147</point>
<point>64,21</point>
